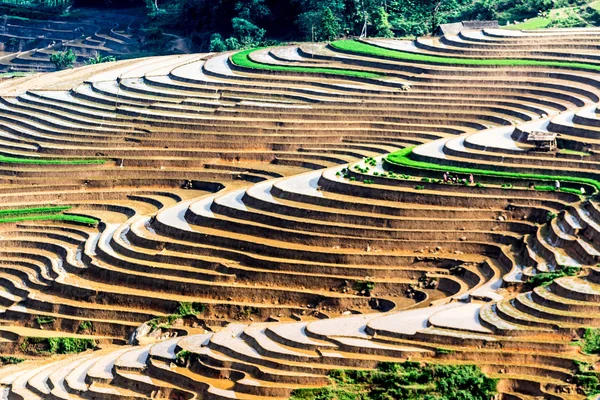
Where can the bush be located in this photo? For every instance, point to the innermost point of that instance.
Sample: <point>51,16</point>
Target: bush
<point>10,360</point>
<point>85,326</point>
<point>405,381</point>
<point>63,60</point>
<point>364,287</point>
<point>44,320</point>
<point>58,345</point>
<point>419,187</point>
<point>546,278</point>
<point>217,44</point>
<point>99,59</point>
<point>591,341</point>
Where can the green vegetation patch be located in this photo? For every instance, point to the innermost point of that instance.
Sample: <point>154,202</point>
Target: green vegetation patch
<point>10,360</point>
<point>574,152</point>
<point>184,309</point>
<point>85,326</point>
<point>57,345</point>
<point>546,278</point>
<point>532,23</point>
<point>242,59</point>
<point>371,50</point>
<point>48,213</point>
<point>37,161</point>
<point>403,158</point>
<point>33,210</point>
<point>549,188</point>
<point>44,320</point>
<point>586,379</point>
<point>405,381</point>
<point>590,342</point>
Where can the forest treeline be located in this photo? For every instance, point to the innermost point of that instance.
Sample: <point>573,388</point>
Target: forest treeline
<point>219,25</point>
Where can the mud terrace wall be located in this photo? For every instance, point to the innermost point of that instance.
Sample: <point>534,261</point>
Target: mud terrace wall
<point>261,200</point>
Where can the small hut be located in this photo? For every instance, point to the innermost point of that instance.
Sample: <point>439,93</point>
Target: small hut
<point>542,141</point>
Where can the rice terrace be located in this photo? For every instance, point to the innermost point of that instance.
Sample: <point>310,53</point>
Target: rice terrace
<point>312,200</point>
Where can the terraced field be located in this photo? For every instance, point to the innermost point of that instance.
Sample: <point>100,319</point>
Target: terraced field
<point>277,214</point>
<point>26,45</point>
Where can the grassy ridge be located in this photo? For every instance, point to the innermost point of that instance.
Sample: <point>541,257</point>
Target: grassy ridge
<point>56,217</point>
<point>371,50</point>
<point>242,59</point>
<point>18,160</point>
<point>50,213</point>
<point>403,158</point>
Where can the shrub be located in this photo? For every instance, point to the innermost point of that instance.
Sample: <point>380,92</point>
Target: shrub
<point>550,216</point>
<point>591,341</point>
<point>586,379</point>
<point>58,345</point>
<point>364,287</point>
<point>85,326</point>
<point>10,360</point>
<point>419,187</point>
<point>546,278</point>
<point>64,59</point>
<point>99,59</point>
<point>405,381</point>
<point>44,320</point>
<point>189,309</point>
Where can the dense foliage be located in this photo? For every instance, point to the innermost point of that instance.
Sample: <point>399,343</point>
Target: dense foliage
<point>57,345</point>
<point>220,25</point>
<point>546,278</point>
<point>64,59</point>
<point>405,381</point>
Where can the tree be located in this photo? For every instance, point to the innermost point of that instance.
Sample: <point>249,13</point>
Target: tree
<point>233,44</point>
<point>248,34</point>
<point>252,10</point>
<point>63,59</point>
<point>330,28</point>
<point>383,28</point>
<point>216,43</point>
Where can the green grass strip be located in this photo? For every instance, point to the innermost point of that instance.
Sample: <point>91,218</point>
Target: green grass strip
<point>34,210</point>
<point>50,217</point>
<point>17,160</point>
<point>242,59</point>
<point>402,158</point>
<point>371,50</point>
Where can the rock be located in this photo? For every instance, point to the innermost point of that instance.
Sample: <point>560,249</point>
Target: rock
<point>463,239</point>
<point>155,334</point>
<point>140,332</point>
